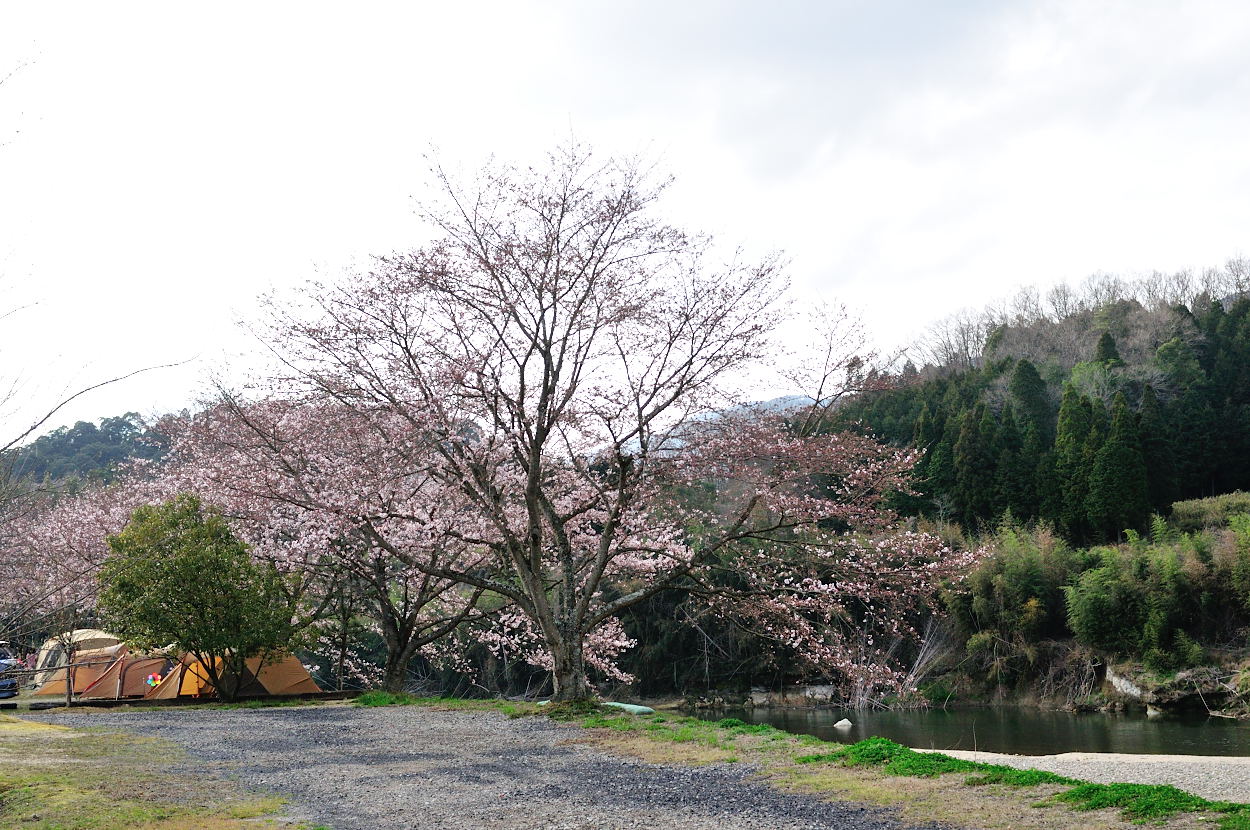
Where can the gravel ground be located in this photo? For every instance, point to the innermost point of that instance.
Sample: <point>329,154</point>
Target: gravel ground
<point>1220,778</point>
<point>410,767</point>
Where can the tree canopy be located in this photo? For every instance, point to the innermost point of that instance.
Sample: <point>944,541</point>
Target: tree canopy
<point>177,576</point>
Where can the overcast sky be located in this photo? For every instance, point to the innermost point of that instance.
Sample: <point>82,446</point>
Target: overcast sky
<point>161,164</point>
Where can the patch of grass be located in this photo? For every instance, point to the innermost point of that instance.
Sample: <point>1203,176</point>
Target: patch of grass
<point>512,709</point>
<point>1141,802</point>
<point>67,779</point>
<point>1012,777</point>
<point>1239,820</point>
<point>573,710</point>
<point>378,698</point>
<point>819,757</point>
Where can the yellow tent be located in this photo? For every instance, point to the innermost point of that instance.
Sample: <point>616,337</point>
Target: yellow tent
<point>88,666</point>
<point>55,651</point>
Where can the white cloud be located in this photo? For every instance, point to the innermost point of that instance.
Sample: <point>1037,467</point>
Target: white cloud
<point>166,163</point>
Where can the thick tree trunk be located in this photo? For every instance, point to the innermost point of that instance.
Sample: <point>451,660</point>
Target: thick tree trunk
<point>569,671</point>
<point>395,673</point>
<point>227,683</point>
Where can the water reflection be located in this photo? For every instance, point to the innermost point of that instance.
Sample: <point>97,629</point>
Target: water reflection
<point>1015,730</point>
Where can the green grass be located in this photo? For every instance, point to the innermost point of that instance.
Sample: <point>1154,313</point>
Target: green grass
<point>389,699</point>
<point>896,759</point>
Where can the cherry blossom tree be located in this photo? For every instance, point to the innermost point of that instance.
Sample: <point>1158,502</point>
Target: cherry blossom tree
<point>52,552</point>
<point>305,479</point>
<point>562,362</point>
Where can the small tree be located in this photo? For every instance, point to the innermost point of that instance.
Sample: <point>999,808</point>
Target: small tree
<point>177,575</point>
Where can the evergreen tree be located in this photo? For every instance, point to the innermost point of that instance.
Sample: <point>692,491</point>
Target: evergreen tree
<point>1157,452</point>
<point>939,482</point>
<point>1119,496</point>
<point>1230,388</point>
<point>1071,435</point>
<point>929,428</point>
<point>1097,436</point>
<point>1031,401</point>
<point>1180,364</point>
<point>1193,425</point>
<point>974,468</point>
<point>1012,481</point>
<point>1050,502</point>
<point>1106,352</point>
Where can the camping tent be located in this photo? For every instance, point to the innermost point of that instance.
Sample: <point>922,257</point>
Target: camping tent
<point>53,652</point>
<point>116,673</point>
<point>282,676</point>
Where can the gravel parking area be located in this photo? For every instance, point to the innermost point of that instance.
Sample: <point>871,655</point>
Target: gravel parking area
<point>411,767</point>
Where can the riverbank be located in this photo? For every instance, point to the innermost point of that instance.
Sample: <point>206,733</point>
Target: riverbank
<point>458,764</point>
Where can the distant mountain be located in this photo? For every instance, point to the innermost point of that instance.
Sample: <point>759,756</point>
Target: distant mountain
<point>776,406</point>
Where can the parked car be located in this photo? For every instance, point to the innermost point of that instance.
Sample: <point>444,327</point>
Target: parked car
<point>8,682</point>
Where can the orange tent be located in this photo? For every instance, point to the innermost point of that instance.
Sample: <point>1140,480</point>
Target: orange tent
<point>283,676</point>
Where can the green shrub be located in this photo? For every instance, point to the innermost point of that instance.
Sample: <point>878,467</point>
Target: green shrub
<point>1213,512</point>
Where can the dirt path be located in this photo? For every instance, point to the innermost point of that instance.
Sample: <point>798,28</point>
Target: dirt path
<point>410,767</point>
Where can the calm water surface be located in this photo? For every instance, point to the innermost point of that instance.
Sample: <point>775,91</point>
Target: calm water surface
<point>1019,731</point>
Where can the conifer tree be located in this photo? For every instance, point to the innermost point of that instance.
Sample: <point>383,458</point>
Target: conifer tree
<point>1119,496</point>
<point>1106,352</point>
<point>1193,425</point>
<point>939,481</point>
<point>974,467</point>
<point>929,428</point>
<point>1071,435</point>
<point>1097,436</point>
<point>1157,451</point>
<point>1031,401</point>
<point>1012,481</point>
<point>1050,505</point>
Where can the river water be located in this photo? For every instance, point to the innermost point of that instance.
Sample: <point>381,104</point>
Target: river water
<point>1021,731</point>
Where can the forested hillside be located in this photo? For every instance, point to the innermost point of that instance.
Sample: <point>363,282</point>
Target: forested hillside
<point>1090,413</point>
<point>86,450</point>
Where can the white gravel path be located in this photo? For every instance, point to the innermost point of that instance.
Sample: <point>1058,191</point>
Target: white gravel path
<point>1215,777</point>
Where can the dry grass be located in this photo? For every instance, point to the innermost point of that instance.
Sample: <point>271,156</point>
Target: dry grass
<point>657,752</point>
<point>54,778</point>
